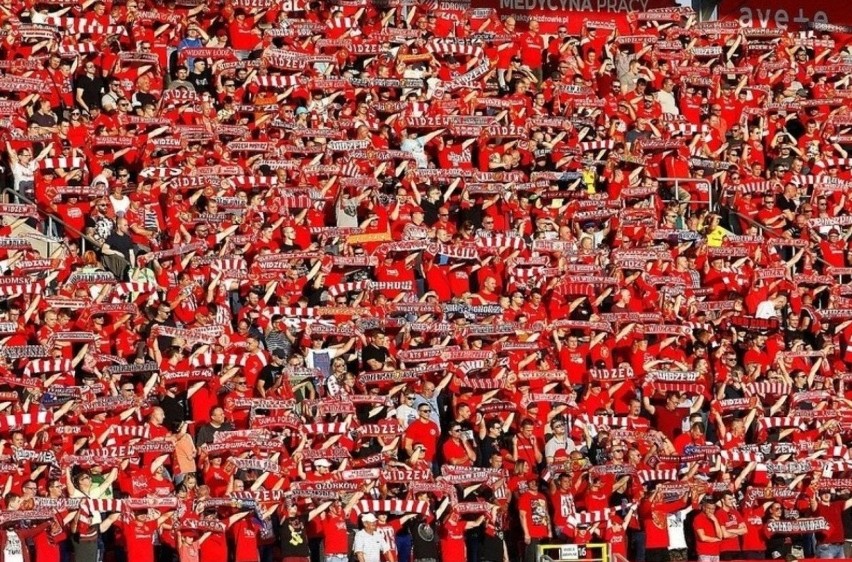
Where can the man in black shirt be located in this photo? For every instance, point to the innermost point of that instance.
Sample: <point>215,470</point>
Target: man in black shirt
<point>271,373</point>
<point>490,444</point>
<point>89,88</point>
<point>120,244</point>
<point>374,355</point>
<point>162,318</point>
<point>201,77</point>
<point>44,116</point>
<point>174,405</point>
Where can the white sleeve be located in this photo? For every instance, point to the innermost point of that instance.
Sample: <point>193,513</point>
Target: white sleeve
<point>384,546</point>
<point>550,448</point>
<point>358,546</point>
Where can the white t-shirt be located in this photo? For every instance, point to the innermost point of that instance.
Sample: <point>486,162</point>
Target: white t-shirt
<point>371,546</point>
<point>766,310</point>
<point>23,173</point>
<point>120,205</point>
<point>677,539</point>
<point>14,548</point>
<point>405,414</point>
<point>554,444</point>
<point>667,102</point>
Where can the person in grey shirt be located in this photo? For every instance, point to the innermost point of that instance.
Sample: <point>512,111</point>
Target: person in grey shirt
<point>181,81</point>
<point>207,432</point>
<point>429,395</point>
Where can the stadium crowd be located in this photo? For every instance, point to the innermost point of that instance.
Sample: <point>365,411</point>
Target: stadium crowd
<point>403,281</point>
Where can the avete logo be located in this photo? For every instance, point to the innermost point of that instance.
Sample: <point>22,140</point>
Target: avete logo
<point>777,17</point>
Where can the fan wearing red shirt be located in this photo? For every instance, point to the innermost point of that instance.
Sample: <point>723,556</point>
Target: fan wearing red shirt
<point>458,451</point>
<point>694,437</point>
<point>530,45</point>
<point>830,543</point>
<point>734,525</point>
<point>245,533</point>
<point>47,543</point>
<point>708,532</point>
<point>453,546</point>
<point>668,419</point>
<point>424,432</point>
<point>653,515</point>
<point>562,501</point>
<point>334,530</point>
<point>139,532</point>
<point>535,520</point>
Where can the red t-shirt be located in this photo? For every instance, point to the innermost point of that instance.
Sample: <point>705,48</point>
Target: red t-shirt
<point>452,540</point>
<point>336,535</point>
<point>531,48</point>
<point>729,520</point>
<point>534,506</point>
<point>425,433</point>
<point>563,507</point>
<point>702,522</point>
<point>139,538</point>
<point>245,538</point>
<point>215,548</point>
<point>453,450</point>
<point>833,515</point>
<point>668,422</point>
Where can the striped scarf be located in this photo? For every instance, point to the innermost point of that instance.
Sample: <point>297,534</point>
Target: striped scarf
<point>781,422</point>
<point>589,146</point>
<point>279,82</point>
<point>757,187</point>
<point>333,428</point>
<point>35,288</point>
<point>500,242</point>
<point>439,47</point>
<point>20,421</point>
<point>64,163</point>
<point>598,421</point>
<point>254,181</point>
<point>740,456</point>
<point>687,128</point>
<point>124,289</point>
<point>86,48</point>
<point>289,312</point>
<point>591,517</point>
<point>79,26</point>
<point>403,506</point>
<point>655,475</point>
<point>40,366</point>
<point>767,388</point>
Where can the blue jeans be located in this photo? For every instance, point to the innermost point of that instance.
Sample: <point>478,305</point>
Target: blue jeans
<point>636,543</point>
<point>829,551</point>
<point>403,548</point>
<point>337,558</point>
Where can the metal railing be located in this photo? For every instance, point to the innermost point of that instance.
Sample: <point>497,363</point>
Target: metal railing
<point>765,229</point>
<point>53,219</point>
<point>698,182</point>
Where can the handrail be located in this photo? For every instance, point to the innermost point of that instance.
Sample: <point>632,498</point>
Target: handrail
<point>701,181</point>
<point>761,227</point>
<point>51,217</point>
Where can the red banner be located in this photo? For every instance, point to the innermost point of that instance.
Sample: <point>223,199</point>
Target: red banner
<point>571,13</point>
